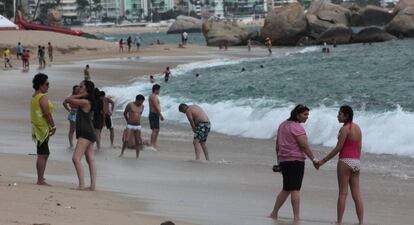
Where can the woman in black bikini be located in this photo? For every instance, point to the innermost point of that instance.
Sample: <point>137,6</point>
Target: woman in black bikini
<point>85,133</point>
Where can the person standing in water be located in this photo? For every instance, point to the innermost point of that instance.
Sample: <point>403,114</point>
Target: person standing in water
<point>167,74</point>
<point>200,124</point>
<point>348,168</point>
<point>132,115</point>
<point>291,150</point>
<point>155,114</point>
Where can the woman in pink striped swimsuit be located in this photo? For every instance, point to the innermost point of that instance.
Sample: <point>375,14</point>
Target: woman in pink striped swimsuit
<point>349,148</point>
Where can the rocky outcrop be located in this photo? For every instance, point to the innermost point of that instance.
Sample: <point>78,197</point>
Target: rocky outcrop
<point>402,4</point>
<point>323,15</point>
<point>372,15</point>
<point>285,25</point>
<point>185,23</point>
<point>372,34</point>
<point>338,34</point>
<point>223,32</point>
<point>402,25</point>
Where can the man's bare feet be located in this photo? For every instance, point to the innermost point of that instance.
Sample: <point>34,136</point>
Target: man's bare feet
<point>273,216</point>
<point>43,182</point>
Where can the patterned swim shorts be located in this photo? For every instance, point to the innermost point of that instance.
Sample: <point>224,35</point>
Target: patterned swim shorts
<point>202,130</point>
<point>355,164</point>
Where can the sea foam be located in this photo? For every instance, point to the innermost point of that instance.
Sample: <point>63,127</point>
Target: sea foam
<point>386,132</point>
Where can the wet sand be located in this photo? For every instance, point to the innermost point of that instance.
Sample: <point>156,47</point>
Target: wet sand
<point>236,187</point>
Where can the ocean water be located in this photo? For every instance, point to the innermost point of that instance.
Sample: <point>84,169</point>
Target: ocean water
<point>150,38</point>
<point>376,80</point>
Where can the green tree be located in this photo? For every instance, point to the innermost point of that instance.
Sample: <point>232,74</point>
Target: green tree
<point>83,7</point>
<point>374,2</point>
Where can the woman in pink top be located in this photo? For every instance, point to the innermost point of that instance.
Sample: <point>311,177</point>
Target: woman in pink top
<point>291,148</point>
<point>349,148</point>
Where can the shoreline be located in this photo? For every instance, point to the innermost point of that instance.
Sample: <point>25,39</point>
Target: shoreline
<point>236,187</point>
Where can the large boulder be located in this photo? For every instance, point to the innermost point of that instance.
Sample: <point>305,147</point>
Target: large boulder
<point>372,34</point>
<point>323,15</point>
<point>185,23</point>
<point>402,4</point>
<point>285,25</point>
<point>223,32</point>
<point>372,15</point>
<point>338,34</point>
<point>402,25</point>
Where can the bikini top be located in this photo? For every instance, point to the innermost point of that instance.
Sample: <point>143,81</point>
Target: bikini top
<point>351,148</point>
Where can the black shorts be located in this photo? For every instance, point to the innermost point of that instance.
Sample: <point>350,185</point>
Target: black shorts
<point>108,122</point>
<point>292,172</point>
<point>43,148</point>
<point>154,120</point>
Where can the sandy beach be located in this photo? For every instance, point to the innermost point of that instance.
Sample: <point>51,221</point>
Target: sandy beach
<point>236,187</point>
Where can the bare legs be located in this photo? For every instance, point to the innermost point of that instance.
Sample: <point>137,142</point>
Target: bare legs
<point>111,136</point>
<point>71,132</point>
<point>138,141</point>
<point>98,138</point>
<point>85,147</point>
<point>347,177</point>
<point>41,167</point>
<point>154,136</point>
<point>280,200</point>
<point>197,148</point>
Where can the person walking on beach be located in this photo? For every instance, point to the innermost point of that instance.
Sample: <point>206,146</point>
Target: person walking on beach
<point>167,74</point>
<point>129,43</point>
<point>155,114</point>
<point>26,59</point>
<point>41,56</point>
<point>20,50</point>
<point>137,41</point>
<point>349,149</point>
<point>86,73</point>
<point>200,124</point>
<point>43,126</point>
<point>249,45</point>
<point>72,115</point>
<point>7,57</point>
<point>184,38</point>
<point>291,149</point>
<point>50,51</point>
<point>268,43</point>
<point>108,115</point>
<point>121,45</point>
<point>132,115</point>
<point>85,102</point>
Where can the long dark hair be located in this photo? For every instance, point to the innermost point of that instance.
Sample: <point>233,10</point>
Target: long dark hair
<point>296,111</point>
<point>90,89</point>
<point>348,113</point>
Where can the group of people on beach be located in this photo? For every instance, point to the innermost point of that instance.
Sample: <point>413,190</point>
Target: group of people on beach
<point>89,109</point>
<point>129,42</point>
<point>23,54</point>
<point>291,151</point>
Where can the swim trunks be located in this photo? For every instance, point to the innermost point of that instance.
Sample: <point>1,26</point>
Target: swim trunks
<point>72,116</point>
<point>134,127</point>
<point>43,148</point>
<point>202,130</point>
<point>154,120</point>
<point>108,122</point>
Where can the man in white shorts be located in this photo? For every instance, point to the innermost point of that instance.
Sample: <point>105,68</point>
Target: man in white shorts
<point>132,114</point>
